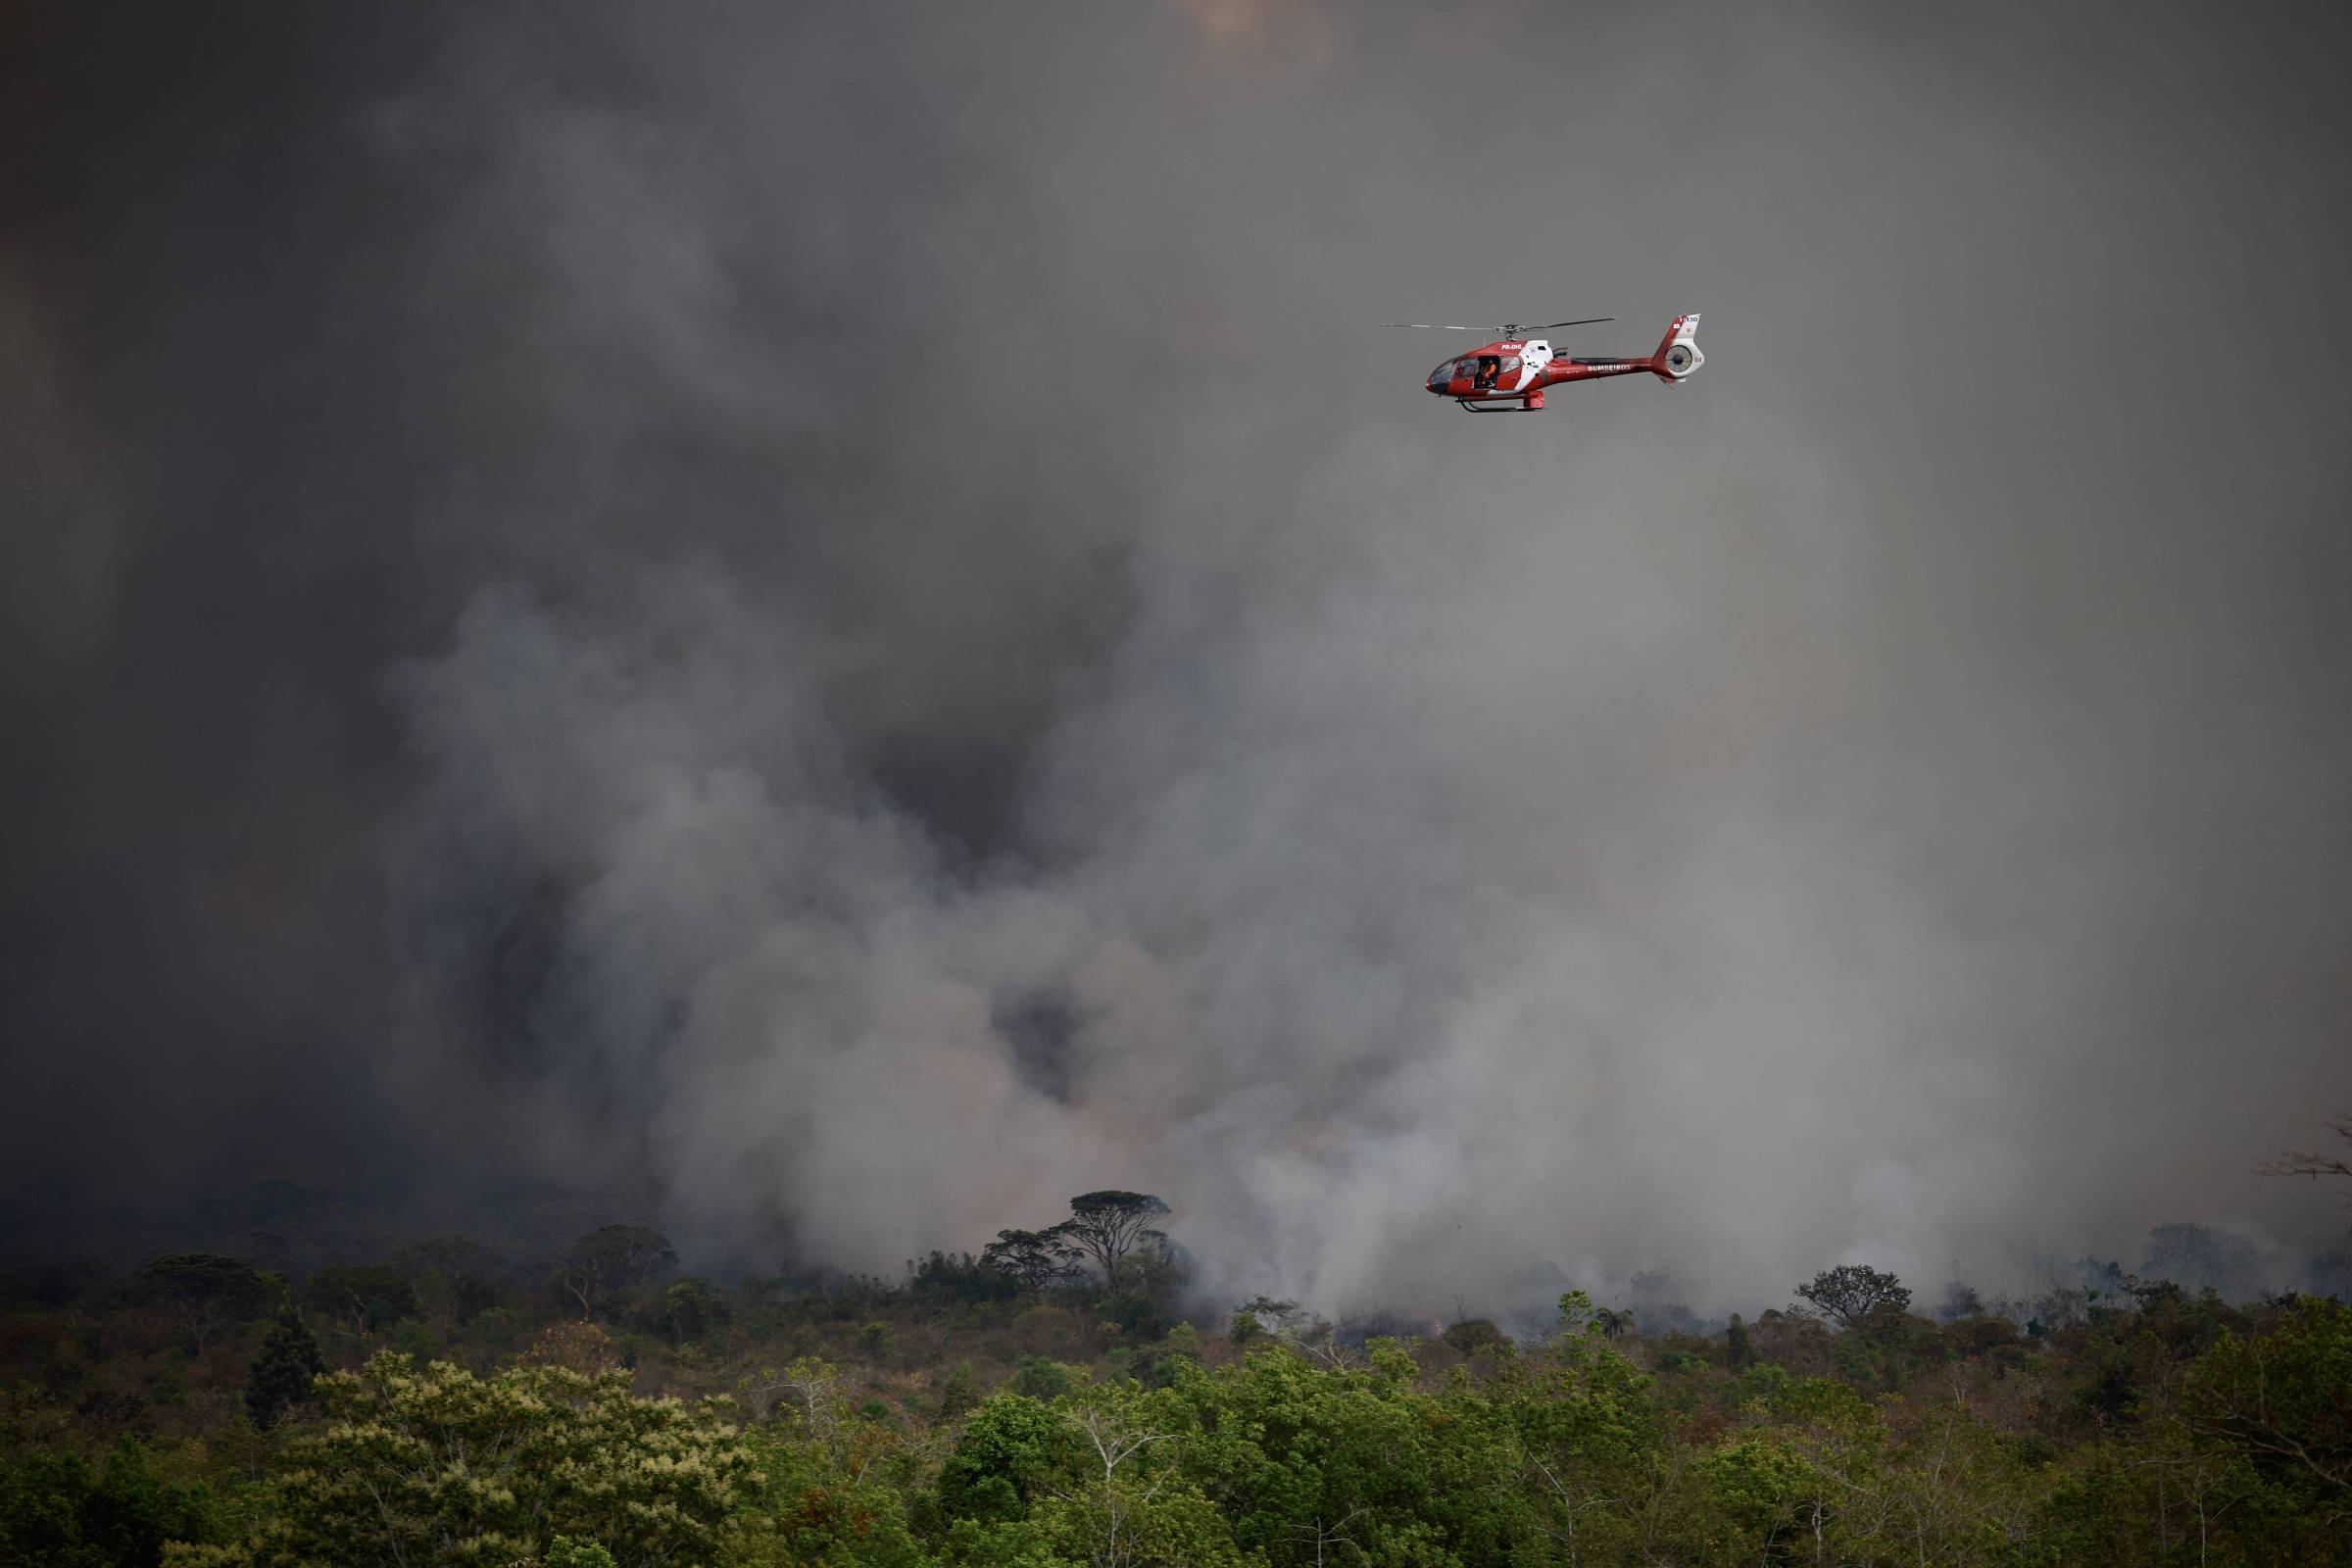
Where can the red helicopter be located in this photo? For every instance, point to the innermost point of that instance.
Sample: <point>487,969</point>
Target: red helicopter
<point>1509,374</point>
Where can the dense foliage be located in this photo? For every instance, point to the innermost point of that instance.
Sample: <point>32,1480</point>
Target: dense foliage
<point>987,1414</point>
<point>433,1465</point>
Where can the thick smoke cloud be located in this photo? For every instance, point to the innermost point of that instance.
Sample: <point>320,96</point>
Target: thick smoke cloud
<point>828,620</point>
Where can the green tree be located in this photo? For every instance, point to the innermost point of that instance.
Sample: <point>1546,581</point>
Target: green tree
<point>456,1275</point>
<point>1350,1466</point>
<point>958,1392</point>
<point>1035,1259</point>
<point>1128,1502</point>
<point>1950,1489</point>
<point>1738,1502</point>
<point>1475,1336</point>
<point>1107,1226</point>
<point>828,1506</point>
<point>284,1371</point>
<point>691,1309</point>
<point>1265,1314</point>
<point>363,1297</point>
<point>1851,1293</point>
<point>609,1259</point>
<point>565,1552</point>
<point>2284,1399</point>
<point>54,1512</point>
<point>1740,1346</point>
<point>1039,1379</point>
<point>1012,1451</point>
<point>943,1278</point>
<point>1960,1301</point>
<point>436,1465</point>
<point>1839,1444</point>
<point>1596,1457</point>
<point>207,1292</point>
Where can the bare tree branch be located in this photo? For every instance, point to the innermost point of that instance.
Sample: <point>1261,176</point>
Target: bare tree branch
<point>2314,1165</point>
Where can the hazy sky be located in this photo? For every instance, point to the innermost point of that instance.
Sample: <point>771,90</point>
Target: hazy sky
<point>833,618</point>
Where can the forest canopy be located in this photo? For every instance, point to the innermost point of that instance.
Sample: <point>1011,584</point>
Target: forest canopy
<point>1067,1399</point>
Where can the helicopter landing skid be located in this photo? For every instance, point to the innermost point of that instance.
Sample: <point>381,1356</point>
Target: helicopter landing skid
<point>1518,405</point>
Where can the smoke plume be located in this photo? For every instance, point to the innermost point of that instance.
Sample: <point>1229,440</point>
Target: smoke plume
<point>832,619</point>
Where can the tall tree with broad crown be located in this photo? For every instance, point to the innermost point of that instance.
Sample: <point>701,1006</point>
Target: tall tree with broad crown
<point>1853,1291</point>
<point>1109,1225</point>
<point>1035,1258</point>
<point>209,1292</point>
<point>612,1258</point>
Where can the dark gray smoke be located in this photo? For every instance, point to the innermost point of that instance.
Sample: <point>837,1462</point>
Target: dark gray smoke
<point>832,617</point>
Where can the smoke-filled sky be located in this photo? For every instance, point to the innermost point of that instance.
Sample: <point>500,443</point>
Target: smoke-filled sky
<point>833,618</point>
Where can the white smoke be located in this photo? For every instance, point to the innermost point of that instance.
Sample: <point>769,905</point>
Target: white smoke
<point>1434,853</point>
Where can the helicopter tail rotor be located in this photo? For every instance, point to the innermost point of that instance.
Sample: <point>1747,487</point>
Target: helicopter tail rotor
<point>1678,358</point>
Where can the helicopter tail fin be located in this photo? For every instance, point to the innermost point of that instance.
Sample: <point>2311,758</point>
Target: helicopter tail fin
<point>1677,356</point>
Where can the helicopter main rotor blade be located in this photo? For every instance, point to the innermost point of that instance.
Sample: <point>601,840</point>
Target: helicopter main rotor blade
<point>1436,327</point>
